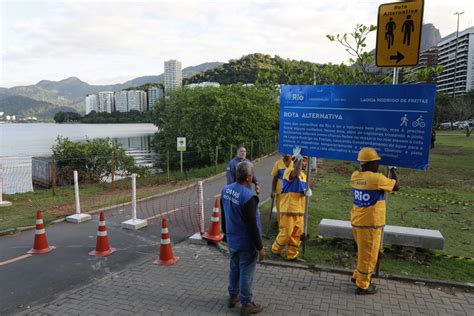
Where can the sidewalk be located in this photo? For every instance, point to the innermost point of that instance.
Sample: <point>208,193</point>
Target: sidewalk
<point>197,285</point>
<point>24,280</point>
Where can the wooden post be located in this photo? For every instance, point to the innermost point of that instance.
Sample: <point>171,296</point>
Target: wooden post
<point>181,160</point>
<point>53,176</point>
<point>217,153</point>
<point>168,164</point>
<point>251,150</point>
<point>113,168</point>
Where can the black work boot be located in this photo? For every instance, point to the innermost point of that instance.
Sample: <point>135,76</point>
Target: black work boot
<point>372,289</point>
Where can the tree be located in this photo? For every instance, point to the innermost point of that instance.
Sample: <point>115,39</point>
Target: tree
<point>92,159</point>
<point>427,74</point>
<point>65,117</point>
<point>448,109</point>
<point>355,45</point>
<point>215,116</point>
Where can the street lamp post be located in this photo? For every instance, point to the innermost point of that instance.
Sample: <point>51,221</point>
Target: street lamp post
<point>456,54</point>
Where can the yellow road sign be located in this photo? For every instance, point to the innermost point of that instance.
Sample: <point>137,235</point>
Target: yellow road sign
<point>399,33</point>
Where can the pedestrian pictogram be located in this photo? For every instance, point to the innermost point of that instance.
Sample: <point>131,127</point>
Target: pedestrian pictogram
<point>399,33</point>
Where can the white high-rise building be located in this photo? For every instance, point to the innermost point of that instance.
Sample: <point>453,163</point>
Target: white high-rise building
<point>121,101</point>
<point>106,102</point>
<point>137,100</point>
<point>464,65</point>
<point>202,85</point>
<point>154,95</point>
<point>92,102</point>
<point>173,75</point>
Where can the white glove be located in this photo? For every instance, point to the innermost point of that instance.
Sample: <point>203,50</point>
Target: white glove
<point>308,192</point>
<point>297,153</point>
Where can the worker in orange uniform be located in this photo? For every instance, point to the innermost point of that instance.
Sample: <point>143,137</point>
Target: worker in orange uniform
<point>277,172</point>
<point>292,207</point>
<point>368,215</point>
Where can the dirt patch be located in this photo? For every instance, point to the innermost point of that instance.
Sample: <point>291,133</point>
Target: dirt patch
<point>342,170</point>
<point>62,210</point>
<point>447,150</point>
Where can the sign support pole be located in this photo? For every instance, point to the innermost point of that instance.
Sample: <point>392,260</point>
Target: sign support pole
<point>379,259</point>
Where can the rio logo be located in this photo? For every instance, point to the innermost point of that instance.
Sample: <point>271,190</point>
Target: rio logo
<point>361,196</point>
<point>294,97</point>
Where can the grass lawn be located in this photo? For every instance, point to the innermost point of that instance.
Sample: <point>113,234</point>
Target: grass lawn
<point>93,196</point>
<point>450,178</point>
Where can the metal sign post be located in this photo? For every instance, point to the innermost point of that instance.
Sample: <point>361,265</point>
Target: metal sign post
<point>399,33</point>
<point>379,259</point>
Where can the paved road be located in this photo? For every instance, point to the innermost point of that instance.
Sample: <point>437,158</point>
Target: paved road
<point>196,285</point>
<point>39,278</point>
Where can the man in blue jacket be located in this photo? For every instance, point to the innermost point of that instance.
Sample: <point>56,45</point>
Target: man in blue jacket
<point>230,172</point>
<point>244,237</point>
<point>231,178</point>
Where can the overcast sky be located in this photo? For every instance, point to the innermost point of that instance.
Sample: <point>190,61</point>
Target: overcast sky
<point>109,41</point>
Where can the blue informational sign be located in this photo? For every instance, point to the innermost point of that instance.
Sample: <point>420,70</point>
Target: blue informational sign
<point>335,121</point>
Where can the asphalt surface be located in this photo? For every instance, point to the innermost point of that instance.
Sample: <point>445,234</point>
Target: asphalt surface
<point>41,278</point>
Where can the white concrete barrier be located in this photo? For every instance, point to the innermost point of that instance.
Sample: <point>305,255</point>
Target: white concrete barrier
<point>134,223</point>
<point>394,235</point>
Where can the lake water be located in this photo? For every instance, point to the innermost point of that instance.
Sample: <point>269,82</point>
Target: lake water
<point>37,139</point>
<point>20,142</point>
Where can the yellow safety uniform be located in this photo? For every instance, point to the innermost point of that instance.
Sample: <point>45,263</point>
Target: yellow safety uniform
<point>368,219</point>
<point>292,205</point>
<point>278,170</point>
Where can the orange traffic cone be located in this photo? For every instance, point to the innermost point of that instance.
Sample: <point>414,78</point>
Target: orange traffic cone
<point>166,252</point>
<point>102,248</point>
<point>214,234</point>
<point>41,242</point>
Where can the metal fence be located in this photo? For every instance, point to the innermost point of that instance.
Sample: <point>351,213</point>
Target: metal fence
<point>41,183</point>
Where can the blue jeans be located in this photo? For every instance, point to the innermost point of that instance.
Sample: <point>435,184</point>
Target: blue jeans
<point>242,269</point>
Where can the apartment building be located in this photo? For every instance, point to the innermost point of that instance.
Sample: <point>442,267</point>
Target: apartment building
<point>121,101</point>
<point>154,95</point>
<point>137,100</point>
<point>173,75</point>
<point>458,73</point>
<point>106,102</point>
<point>92,103</point>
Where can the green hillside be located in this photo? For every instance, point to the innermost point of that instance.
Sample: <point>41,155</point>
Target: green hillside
<point>261,68</point>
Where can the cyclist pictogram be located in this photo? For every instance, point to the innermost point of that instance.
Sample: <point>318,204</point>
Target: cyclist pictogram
<point>389,36</point>
<point>418,122</point>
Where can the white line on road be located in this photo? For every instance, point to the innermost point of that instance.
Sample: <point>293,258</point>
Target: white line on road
<point>2,263</point>
<point>165,213</point>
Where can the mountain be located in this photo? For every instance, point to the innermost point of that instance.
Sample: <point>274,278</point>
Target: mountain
<point>187,72</point>
<point>23,106</point>
<point>247,68</point>
<point>430,36</point>
<point>71,92</point>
